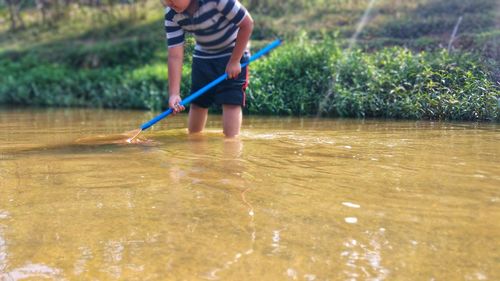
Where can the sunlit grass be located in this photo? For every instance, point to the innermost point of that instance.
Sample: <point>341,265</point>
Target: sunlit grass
<point>81,23</point>
<point>158,70</point>
<point>389,19</point>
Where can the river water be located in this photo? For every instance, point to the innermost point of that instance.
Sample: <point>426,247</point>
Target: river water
<point>291,199</point>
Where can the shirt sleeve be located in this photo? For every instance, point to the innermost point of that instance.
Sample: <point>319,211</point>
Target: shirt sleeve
<point>232,10</point>
<point>174,33</point>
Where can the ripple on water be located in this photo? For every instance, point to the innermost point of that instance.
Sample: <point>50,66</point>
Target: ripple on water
<point>350,200</point>
<point>4,214</point>
<point>30,270</point>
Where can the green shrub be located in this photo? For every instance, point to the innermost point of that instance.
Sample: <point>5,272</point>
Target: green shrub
<point>56,85</point>
<point>306,78</point>
<point>289,81</point>
<point>396,83</point>
<point>302,77</point>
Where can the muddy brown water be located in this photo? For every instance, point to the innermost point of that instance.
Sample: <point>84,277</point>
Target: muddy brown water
<point>291,199</point>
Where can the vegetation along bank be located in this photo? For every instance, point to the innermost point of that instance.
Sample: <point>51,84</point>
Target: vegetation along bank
<point>423,60</point>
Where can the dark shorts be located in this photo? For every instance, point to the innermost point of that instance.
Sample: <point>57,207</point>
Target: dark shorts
<point>229,91</point>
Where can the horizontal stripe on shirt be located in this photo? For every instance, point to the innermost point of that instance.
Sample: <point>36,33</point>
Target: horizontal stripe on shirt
<point>214,26</point>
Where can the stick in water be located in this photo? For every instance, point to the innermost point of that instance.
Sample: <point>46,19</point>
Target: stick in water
<point>203,90</point>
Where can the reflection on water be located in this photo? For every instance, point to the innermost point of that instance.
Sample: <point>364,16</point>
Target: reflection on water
<point>3,246</point>
<point>28,270</point>
<point>291,199</point>
<point>364,260</point>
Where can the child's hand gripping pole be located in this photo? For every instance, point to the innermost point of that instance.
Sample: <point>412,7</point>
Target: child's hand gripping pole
<point>201,91</point>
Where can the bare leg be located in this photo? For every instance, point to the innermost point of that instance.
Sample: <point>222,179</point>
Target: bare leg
<point>231,120</point>
<point>197,118</point>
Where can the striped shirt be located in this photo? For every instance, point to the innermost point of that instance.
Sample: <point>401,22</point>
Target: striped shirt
<point>214,25</point>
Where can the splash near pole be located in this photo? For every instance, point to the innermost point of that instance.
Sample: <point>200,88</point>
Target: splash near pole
<point>203,90</point>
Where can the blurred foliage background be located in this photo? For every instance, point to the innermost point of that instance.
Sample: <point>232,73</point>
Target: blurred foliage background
<point>421,59</point>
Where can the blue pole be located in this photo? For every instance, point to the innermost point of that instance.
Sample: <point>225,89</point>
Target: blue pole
<point>207,87</point>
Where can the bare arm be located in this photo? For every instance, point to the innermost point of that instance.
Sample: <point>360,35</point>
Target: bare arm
<point>175,59</point>
<point>246,27</point>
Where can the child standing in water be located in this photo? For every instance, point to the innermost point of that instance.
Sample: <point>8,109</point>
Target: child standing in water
<point>222,30</point>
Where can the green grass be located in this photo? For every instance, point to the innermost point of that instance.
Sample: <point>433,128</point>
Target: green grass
<point>322,78</point>
<point>392,83</point>
<point>394,19</point>
<point>397,69</point>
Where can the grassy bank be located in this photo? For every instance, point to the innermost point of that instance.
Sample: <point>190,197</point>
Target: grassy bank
<point>321,78</point>
<point>392,82</point>
<point>402,63</point>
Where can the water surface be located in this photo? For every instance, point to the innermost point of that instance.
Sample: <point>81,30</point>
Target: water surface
<point>292,199</point>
